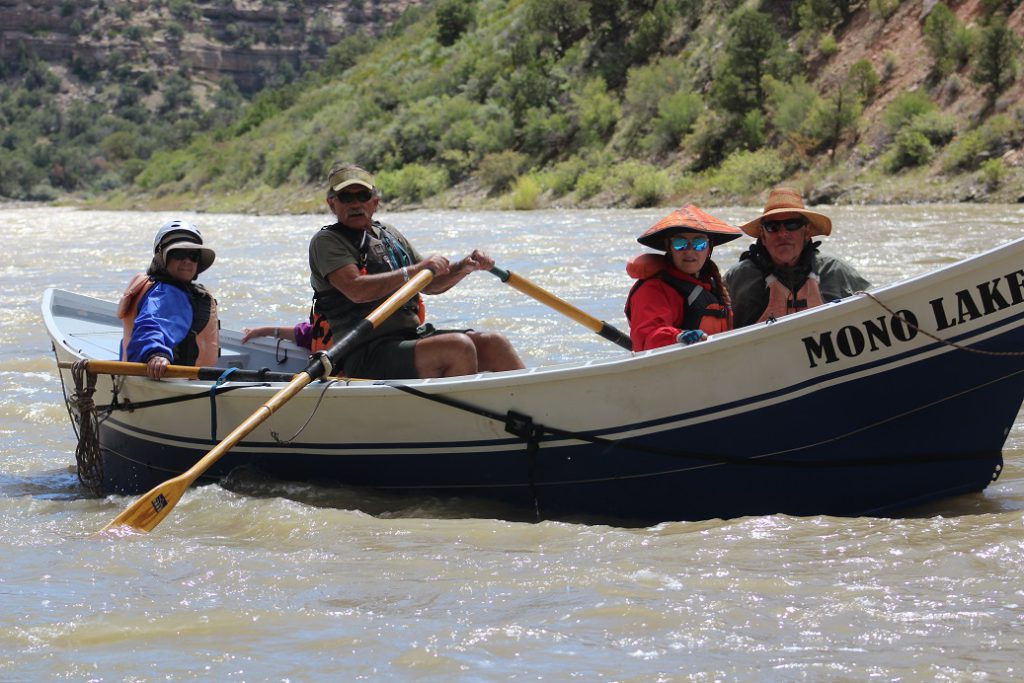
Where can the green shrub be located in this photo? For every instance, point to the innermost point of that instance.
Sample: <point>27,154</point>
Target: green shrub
<point>967,151</point>
<point>939,128</point>
<point>499,170</point>
<point>910,148</point>
<point>590,183</point>
<point>561,178</point>
<point>597,112</point>
<point>675,118</point>
<point>994,171</point>
<point>525,193</point>
<point>650,187</point>
<point>745,172</point>
<point>903,108</point>
<point>828,45</point>
<point>163,168</point>
<point>412,183</point>
<point>863,79</point>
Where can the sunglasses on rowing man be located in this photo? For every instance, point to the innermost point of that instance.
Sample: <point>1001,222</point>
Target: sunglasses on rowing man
<point>353,197</point>
<point>789,225</point>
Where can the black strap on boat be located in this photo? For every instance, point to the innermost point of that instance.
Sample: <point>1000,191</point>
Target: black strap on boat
<point>523,427</point>
<point>213,401</point>
<point>537,433</point>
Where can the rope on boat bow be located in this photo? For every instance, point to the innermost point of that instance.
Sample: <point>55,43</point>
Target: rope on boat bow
<point>926,333</point>
<point>87,453</point>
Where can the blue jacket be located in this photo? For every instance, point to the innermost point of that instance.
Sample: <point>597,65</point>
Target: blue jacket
<point>163,321</point>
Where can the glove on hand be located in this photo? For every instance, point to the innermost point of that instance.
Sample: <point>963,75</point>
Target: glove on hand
<point>691,336</point>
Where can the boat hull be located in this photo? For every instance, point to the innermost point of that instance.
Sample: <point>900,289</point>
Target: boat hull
<point>859,407</point>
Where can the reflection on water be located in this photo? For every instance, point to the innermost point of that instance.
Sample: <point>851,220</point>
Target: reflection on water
<point>260,580</point>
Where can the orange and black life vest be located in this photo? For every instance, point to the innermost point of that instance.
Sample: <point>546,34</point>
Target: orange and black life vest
<point>702,309</point>
<point>201,346</point>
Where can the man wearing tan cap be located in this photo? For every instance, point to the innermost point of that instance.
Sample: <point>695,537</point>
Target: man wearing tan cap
<point>357,262</point>
<point>783,272</point>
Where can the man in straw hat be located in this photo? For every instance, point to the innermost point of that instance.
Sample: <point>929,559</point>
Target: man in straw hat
<point>783,272</point>
<point>679,296</point>
<point>358,262</point>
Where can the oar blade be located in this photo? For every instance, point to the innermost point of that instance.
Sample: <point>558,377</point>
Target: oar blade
<point>149,510</point>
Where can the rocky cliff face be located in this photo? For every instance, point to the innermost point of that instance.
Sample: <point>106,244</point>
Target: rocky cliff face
<point>247,40</point>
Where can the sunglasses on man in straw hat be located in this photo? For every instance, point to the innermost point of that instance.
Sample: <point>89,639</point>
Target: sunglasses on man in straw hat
<point>785,210</point>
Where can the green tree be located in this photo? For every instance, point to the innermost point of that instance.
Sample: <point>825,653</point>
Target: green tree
<point>560,22</point>
<point>454,17</point>
<point>947,40</point>
<point>751,52</point>
<point>995,59</point>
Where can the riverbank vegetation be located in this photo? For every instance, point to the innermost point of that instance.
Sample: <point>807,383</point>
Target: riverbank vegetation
<point>535,103</point>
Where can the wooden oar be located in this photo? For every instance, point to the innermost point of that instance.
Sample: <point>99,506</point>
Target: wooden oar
<point>149,510</point>
<point>545,297</point>
<point>207,374</point>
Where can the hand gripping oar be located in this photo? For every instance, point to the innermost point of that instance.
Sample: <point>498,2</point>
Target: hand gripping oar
<point>117,367</point>
<point>149,510</point>
<point>529,289</point>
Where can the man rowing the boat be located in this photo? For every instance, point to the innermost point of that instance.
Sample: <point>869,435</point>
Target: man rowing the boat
<point>357,262</point>
<point>783,272</point>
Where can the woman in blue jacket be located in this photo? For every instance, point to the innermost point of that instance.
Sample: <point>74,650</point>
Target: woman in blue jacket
<point>168,317</point>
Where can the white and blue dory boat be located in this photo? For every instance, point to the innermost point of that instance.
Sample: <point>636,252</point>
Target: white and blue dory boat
<point>883,400</point>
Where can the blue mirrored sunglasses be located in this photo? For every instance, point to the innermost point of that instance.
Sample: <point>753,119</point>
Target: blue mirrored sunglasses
<point>791,225</point>
<point>682,244</point>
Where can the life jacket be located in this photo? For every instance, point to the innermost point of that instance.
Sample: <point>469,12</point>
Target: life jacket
<point>702,310</point>
<point>782,301</point>
<point>375,256</point>
<point>200,347</point>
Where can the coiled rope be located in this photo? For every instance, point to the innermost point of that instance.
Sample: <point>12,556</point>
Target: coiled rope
<point>87,453</point>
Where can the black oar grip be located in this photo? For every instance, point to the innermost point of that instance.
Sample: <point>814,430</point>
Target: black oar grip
<point>614,334</point>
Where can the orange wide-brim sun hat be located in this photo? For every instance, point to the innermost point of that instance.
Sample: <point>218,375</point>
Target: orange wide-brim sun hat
<point>785,202</point>
<point>688,219</point>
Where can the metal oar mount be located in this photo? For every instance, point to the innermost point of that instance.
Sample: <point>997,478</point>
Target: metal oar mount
<point>149,510</point>
<point>593,324</point>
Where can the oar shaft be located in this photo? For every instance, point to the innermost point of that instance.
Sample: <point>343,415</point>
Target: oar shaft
<point>206,374</point>
<point>564,307</point>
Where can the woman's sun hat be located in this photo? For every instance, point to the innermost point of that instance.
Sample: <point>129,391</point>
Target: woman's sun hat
<point>688,219</point>
<point>785,202</point>
<point>180,234</point>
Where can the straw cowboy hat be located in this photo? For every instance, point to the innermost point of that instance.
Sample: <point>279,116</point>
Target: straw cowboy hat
<point>688,219</point>
<point>785,202</point>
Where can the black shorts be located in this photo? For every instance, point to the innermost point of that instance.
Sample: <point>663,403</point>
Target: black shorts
<point>391,357</point>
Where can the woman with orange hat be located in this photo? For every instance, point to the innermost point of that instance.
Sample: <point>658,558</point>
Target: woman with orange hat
<point>783,272</point>
<point>679,296</point>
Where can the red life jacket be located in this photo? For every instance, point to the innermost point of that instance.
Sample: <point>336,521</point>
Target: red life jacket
<point>207,339</point>
<point>782,301</point>
<point>702,310</point>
